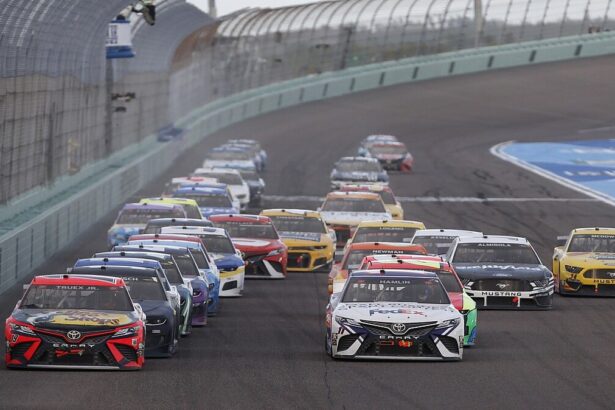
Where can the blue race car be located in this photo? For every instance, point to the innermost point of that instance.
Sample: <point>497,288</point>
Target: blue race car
<point>212,201</point>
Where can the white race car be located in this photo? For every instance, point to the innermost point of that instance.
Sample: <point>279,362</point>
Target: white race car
<point>438,241</point>
<point>393,314</point>
<point>232,178</point>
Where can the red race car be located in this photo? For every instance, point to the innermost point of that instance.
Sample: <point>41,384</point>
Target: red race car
<point>264,253</point>
<point>76,321</point>
<point>393,156</point>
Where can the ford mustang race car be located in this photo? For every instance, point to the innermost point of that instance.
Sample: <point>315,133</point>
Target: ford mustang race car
<point>386,193</point>
<point>73,321</point>
<point>132,218</point>
<point>146,287</point>
<point>585,265</point>
<point>232,178</point>
<point>374,139</point>
<point>349,170</point>
<point>263,251</point>
<point>438,241</point>
<point>311,245</point>
<point>393,314</point>
<point>393,156</point>
<point>343,211</point>
<point>190,205</point>
<point>459,298</point>
<point>502,272</point>
<point>354,254</point>
<point>155,225</point>
<point>212,201</point>
<point>385,231</point>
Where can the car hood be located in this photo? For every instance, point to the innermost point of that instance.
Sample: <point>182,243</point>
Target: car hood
<point>352,218</point>
<point>227,261</point>
<point>155,307</point>
<point>587,259</point>
<point>501,271</point>
<point>300,238</point>
<point>249,244</point>
<point>396,312</point>
<point>75,318</point>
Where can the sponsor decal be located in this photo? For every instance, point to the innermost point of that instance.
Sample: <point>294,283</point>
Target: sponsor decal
<point>502,267</point>
<point>81,318</point>
<point>605,281</point>
<point>308,236</point>
<point>397,311</point>
<point>494,245</point>
<point>495,293</point>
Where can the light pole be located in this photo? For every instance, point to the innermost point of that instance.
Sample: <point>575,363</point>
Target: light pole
<point>478,21</point>
<point>213,12</point>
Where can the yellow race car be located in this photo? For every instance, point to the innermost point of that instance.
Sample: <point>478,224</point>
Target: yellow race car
<point>585,264</point>
<point>190,205</point>
<point>385,231</point>
<point>311,245</point>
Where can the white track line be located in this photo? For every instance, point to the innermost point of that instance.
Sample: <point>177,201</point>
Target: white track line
<point>498,151</point>
<point>306,198</point>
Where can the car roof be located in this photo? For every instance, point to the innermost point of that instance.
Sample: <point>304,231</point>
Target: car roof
<point>77,280</point>
<point>366,187</point>
<point>493,239</point>
<point>179,221</point>
<point>354,195</point>
<point>291,212</point>
<point>134,254</point>
<point>375,137</point>
<point>127,261</point>
<point>170,200</point>
<point>246,218</point>
<point>394,223</point>
<point>356,159</point>
<point>173,242</point>
<point>197,189</point>
<point>156,206</point>
<point>414,273</point>
<point>385,143</point>
<point>405,264</point>
<point>384,245</point>
<point>170,249</point>
<point>447,232</point>
<point>201,230</point>
<point>115,270</point>
<point>217,170</point>
<point>594,231</point>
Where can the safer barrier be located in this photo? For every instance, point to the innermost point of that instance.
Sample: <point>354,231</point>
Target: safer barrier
<point>26,246</point>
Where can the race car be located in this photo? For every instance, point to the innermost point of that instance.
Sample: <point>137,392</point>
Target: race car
<point>385,231</point>
<point>76,321</point>
<point>374,139</point>
<point>190,205</point>
<point>228,156</point>
<point>226,257</point>
<point>459,298</point>
<point>256,185</point>
<point>132,218</point>
<point>311,245</point>
<point>343,211</point>
<point>232,178</point>
<point>354,254</point>
<point>386,193</point>
<point>393,156</point>
<point>502,272</point>
<point>254,147</point>
<point>438,241</point>
<point>155,225</point>
<point>585,264</point>
<point>177,182</point>
<point>264,253</point>
<point>393,314</point>
<point>212,201</point>
<point>147,287</point>
<point>353,170</point>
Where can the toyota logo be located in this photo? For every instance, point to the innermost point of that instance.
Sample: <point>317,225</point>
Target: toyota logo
<point>398,327</point>
<point>73,335</point>
<point>502,285</point>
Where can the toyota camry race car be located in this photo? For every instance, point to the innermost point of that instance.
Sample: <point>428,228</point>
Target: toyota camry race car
<point>502,272</point>
<point>264,253</point>
<point>585,265</point>
<point>374,139</point>
<point>132,218</point>
<point>350,170</point>
<point>393,156</point>
<point>438,241</point>
<point>393,314</point>
<point>459,298</point>
<point>73,321</point>
<point>386,193</point>
<point>343,211</point>
<point>354,254</point>
<point>311,246</point>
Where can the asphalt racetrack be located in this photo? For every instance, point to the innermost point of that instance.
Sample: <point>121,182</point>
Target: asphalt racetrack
<point>265,350</point>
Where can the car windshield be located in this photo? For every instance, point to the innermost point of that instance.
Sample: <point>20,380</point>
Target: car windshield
<point>223,177</point>
<point>172,272</point>
<point>187,266</point>
<point>387,197</point>
<point>358,166</point>
<point>384,234</point>
<point>76,297</point>
<point>250,175</point>
<point>144,287</point>
<point>436,245</point>
<point>353,205</point>
<point>210,200</point>
<point>143,215</point>
<point>248,230</point>
<point>395,289</point>
<point>298,224</point>
<point>450,282</point>
<point>495,253</point>
<point>355,257</point>
<point>218,244</point>
<point>592,243</point>
<point>388,150</point>
<point>199,258</point>
<point>192,211</point>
